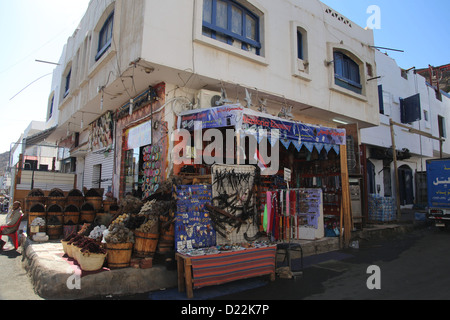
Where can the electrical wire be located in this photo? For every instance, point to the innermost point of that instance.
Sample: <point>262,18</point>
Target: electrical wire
<point>46,75</point>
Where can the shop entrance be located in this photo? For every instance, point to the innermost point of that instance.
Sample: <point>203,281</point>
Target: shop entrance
<point>406,185</point>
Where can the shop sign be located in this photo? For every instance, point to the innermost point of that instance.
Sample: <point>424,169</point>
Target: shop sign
<point>292,131</point>
<point>219,117</point>
<point>253,123</point>
<point>140,135</point>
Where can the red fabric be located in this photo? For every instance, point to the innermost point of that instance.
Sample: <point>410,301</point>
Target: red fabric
<point>229,266</point>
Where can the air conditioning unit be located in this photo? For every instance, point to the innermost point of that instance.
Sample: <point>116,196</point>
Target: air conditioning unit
<point>207,99</point>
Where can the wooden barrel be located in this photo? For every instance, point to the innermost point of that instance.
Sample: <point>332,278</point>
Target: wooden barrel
<point>56,196</point>
<point>87,213</point>
<point>71,215</point>
<point>55,215</point>
<point>114,209</point>
<point>35,196</point>
<point>107,204</point>
<point>166,242</point>
<point>119,255</point>
<point>75,197</point>
<point>95,201</point>
<point>145,244</point>
<point>56,200</point>
<point>54,232</point>
<point>166,236</point>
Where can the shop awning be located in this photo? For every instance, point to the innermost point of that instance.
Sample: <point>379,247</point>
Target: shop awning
<point>263,125</point>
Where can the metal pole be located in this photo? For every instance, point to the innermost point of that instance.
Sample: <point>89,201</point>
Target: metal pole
<point>397,186</point>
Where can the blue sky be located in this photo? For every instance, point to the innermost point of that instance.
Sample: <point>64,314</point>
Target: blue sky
<point>38,29</point>
<point>30,30</point>
<point>420,28</point>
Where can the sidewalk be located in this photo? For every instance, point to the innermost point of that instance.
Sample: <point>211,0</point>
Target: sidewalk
<point>55,277</point>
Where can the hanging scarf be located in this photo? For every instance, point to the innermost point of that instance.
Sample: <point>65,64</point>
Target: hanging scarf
<point>275,217</point>
<point>269,211</point>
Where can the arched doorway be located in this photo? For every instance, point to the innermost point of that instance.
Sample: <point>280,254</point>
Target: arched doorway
<point>405,179</point>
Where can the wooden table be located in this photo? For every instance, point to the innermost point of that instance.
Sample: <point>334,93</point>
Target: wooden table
<point>200,271</point>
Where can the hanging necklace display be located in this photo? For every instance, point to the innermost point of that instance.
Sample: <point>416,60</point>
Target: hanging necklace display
<point>151,168</point>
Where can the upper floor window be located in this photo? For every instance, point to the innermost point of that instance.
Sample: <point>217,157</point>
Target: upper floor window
<point>231,23</point>
<point>346,72</point>
<point>105,36</point>
<point>50,106</point>
<point>67,85</point>
<point>441,126</point>
<point>300,52</point>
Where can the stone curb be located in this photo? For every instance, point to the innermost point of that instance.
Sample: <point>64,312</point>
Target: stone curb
<point>55,279</point>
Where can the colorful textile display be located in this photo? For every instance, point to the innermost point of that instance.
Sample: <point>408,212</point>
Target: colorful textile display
<point>289,210</point>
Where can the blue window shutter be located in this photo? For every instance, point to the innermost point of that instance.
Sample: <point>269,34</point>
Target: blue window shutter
<point>380,98</point>
<point>410,109</point>
<point>338,64</point>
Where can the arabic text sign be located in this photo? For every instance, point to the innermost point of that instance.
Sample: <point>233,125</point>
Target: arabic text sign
<point>438,173</point>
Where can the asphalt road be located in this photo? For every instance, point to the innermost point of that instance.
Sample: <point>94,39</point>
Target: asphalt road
<point>14,281</point>
<point>411,267</point>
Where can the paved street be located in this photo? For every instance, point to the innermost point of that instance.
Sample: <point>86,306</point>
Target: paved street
<point>14,281</point>
<point>412,266</point>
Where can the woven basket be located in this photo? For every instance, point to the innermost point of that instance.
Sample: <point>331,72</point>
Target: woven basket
<point>69,248</point>
<point>64,245</point>
<point>76,253</point>
<point>91,261</point>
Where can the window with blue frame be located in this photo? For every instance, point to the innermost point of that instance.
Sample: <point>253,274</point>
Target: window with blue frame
<point>67,85</point>
<point>105,36</point>
<point>50,109</point>
<point>230,22</point>
<point>299,45</point>
<point>346,72</point>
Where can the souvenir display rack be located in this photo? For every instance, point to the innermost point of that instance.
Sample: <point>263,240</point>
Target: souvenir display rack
<point>193,226</point>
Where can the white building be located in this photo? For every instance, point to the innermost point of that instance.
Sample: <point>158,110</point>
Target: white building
<point>299,54</point>
<point>425,112</point>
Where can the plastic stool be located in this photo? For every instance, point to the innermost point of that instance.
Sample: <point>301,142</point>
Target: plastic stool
<point>288,247</point>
